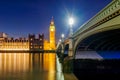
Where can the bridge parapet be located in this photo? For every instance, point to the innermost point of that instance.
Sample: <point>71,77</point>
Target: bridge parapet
<point>99,18</point>
<point>66,41</point>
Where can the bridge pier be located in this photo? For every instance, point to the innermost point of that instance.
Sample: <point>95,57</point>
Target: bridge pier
<point>68,65</point>
<point>70,52</point>
<point>68,61</point>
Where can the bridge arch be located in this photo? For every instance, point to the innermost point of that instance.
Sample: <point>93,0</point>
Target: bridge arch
<point>106,38</point>
<point>66,49</point>
<point>60,48</point>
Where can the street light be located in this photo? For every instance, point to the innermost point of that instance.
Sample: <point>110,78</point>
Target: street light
<point>59,40</point>
<point>62,35</point>
<point>71,22</point>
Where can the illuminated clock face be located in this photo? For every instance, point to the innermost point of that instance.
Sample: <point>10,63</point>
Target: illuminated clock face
<point>52,30</point>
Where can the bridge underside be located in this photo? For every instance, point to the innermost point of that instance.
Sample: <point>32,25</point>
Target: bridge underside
<point>66,48</point>
<point>103,41</point>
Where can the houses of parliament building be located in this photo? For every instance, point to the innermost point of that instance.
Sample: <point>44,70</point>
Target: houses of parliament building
<point>32,42</point>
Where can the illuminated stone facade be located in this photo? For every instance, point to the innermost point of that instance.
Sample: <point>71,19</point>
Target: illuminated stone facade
<point>50,45</point>
<point>33,43</point>
<point>36,42</point>
<point>21,44</point>
<point>14,44</point>
<point>46,45</point>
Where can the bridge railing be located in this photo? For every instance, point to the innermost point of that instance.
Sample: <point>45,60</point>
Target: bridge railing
<point>108,10</point>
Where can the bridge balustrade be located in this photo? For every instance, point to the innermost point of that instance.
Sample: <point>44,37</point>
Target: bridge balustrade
<point>113,7</point>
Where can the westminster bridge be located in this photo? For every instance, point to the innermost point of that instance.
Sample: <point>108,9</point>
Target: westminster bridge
<point>100,33</point>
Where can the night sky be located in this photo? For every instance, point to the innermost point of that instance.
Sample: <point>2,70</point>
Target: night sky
<point>21,17</point>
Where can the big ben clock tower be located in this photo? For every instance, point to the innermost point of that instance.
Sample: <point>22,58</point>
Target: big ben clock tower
<point>52,35</point>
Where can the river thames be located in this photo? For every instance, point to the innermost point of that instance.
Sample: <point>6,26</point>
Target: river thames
<point>30,66</point>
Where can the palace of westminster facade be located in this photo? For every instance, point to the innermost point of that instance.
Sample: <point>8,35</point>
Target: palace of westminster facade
<point>32,42</point>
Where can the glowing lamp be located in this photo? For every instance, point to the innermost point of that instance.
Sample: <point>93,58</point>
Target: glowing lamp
<point>62,36</point>
<point>59,40</point>
<point>71,21</point>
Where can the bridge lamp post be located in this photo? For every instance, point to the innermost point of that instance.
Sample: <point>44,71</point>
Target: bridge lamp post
<point>71,22</point>
<point>59,40</point>
<point>62,36</point>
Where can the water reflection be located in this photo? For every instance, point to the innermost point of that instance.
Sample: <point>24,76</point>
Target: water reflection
<point>14,62</point>
<point>29,66</point>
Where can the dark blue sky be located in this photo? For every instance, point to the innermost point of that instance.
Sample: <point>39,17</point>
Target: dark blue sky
<point>20,17</point>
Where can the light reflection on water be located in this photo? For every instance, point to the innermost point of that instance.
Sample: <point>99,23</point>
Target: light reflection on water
<point>29,66</point>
